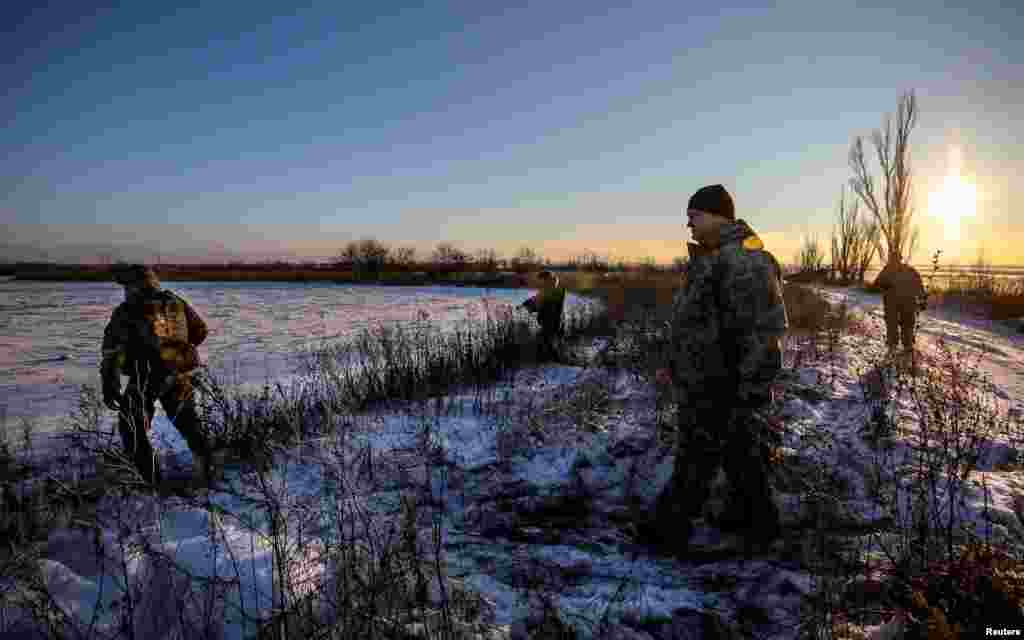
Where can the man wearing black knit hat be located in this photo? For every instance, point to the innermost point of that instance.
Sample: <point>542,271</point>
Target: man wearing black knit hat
<point>728,320</point>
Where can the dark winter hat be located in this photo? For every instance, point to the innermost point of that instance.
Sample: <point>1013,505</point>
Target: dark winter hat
<point>713,199</point>
<point>136,274</point>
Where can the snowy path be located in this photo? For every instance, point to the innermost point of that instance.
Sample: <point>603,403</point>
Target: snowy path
<point>998,347</point>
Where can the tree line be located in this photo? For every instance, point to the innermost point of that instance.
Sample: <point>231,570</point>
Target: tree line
<point>370,255</point>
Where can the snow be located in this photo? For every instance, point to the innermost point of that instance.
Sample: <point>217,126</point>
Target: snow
<point>587,567</point>
<point>51,331</point>
<point>997,347</point>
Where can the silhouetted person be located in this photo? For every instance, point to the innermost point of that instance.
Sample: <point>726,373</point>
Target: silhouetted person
<point>152,338</point>
<point>903,295</point>
<point>548,305</point>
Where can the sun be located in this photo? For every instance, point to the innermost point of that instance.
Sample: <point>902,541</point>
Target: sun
<point>955,199</point>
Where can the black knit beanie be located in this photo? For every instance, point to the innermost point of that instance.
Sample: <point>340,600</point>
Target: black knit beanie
<point>713,199</point>
<point>136,274</point>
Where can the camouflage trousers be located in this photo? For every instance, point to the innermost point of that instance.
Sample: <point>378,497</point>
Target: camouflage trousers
<point>741,445</point>
<point>900,323</point>
<point>177,397</point>
<point>549,345</point>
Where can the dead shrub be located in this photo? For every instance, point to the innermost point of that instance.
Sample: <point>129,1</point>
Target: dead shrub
<point>983,587</point>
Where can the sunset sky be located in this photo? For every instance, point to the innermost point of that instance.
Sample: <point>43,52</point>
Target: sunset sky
<point>261,130</point>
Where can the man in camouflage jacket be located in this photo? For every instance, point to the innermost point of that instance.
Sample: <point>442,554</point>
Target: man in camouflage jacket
<point>548,305</point>
<point>152,338</point>
<point>728,321</point>
<point>903,295</point>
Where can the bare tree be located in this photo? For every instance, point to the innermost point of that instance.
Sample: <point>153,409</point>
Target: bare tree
<point>590,261</point>
<point>366,255</point>
<point>647,264</point>
<point>375,254</point>
<point>869,235</point>
<point>810,257</point>
<point>843,239</point>
<point>525,259</point>
<point>853,242</point>
<point>449,257</point>
<point>349,255</point>
<point>891,208</point>
<point>404,257</point>
<point>486,260</point>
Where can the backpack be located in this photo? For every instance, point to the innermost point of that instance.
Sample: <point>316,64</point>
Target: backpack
<point>157,334</point>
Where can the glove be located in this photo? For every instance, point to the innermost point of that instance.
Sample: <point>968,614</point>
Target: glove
<point>112,397</point>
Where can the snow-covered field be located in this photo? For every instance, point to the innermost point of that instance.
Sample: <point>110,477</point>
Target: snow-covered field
<point>50,332</point>
<point>527,493</point>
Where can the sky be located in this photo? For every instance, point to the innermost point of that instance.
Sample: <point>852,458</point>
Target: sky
<point>156,130</point>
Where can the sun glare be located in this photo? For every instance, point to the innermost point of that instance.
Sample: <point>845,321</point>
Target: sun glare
<point>954,200</point>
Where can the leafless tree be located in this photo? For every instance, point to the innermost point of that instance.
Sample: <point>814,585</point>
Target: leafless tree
<point>403,257</point>
<point>349,255</point>
<point>525,259</point>
<point>449,257</point>
<point>486,260</point>
<point>367,255</point>
<point>853,241</point>
<point>891,208</point>
<point>375,253</point>
<point>647,264</point>
<point>870,235</point>
<point>811,258</point>
<point>590,261</point>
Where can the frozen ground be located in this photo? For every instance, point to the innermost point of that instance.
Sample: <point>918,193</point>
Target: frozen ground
<point>50,332</point>
<point>997,346</point>
<point>535,485</point>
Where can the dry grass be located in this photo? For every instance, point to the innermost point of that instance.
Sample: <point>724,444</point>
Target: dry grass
<point>997,298</point>
<point>382,582</point>
<point>926,432</point>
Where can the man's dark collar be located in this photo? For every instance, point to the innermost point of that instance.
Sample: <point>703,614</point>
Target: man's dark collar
<point>698,250</point>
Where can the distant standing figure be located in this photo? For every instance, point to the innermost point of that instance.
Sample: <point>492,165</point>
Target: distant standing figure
<point>728,320</point>
<point>548,305</point>
<point>903,295</point>
<point>152,338</point>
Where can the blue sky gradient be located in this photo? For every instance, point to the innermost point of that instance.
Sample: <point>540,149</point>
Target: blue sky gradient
<point>245,127</point>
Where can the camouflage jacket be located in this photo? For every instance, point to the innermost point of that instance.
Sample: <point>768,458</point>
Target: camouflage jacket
<point>728,320</point>
<point>154,332</point>
<point>548,305</point>
<point>901,285</point>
